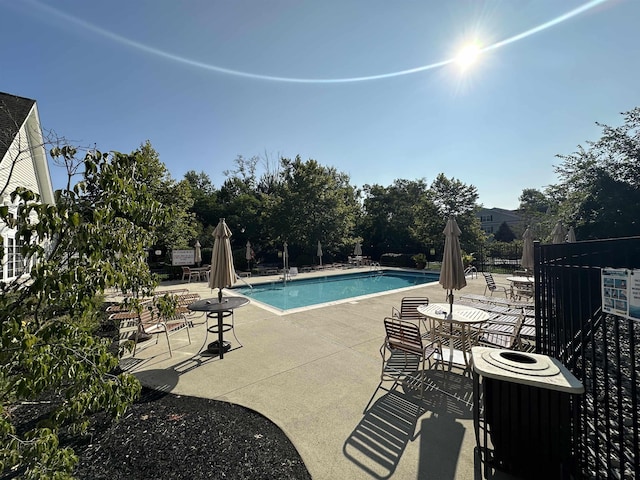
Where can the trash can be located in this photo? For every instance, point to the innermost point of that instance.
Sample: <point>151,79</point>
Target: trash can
<point>523,406</point>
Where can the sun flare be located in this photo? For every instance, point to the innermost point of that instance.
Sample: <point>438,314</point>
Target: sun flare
<point>468,55</point>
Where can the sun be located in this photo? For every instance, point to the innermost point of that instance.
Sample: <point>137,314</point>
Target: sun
<point>468,55</point>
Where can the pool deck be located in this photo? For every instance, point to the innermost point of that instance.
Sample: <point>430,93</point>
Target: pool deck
<point>316,374</point>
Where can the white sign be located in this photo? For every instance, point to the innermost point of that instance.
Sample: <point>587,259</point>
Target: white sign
<point>183,257</point>
<point>621,292</point>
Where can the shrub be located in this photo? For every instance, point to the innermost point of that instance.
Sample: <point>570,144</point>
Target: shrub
<point>397,260</point>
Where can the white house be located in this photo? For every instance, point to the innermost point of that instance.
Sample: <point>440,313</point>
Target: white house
<point>23,163</point>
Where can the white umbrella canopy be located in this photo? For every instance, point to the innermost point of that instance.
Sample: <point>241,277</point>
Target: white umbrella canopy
<point>248,255</point>
<point>197,255</point>
<point>285,262</point>
<point>223,273</point>
<point>452,270</point>
<point>571,236</point>
<point>527,250</point>
<point>357,251</point>
<point>559,233</point>
<point>319,252</point>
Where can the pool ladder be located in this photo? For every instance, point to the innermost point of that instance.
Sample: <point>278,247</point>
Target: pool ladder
<point>375,266</point>
<point>238,277</point>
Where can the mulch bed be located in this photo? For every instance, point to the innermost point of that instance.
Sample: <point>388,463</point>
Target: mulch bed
<point>166,436</point>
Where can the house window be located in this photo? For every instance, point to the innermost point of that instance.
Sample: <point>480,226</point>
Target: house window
<point>486,218</point>
<point>14,261</point>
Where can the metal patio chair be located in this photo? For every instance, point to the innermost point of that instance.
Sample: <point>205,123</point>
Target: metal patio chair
<point>404,353</point>
<point>492,286</point>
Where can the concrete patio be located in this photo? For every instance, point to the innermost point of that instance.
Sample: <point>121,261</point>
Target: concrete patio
<point>316,374</point>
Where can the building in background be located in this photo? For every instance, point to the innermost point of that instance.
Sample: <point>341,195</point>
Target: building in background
<point>492,218</point>
<point>23,163</point>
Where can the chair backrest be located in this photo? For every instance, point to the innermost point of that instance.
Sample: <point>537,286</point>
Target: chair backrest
<point>293,271</point>
<point>490,281</point>
<point>515,339</point>
<point>409,307</point>
<point>404,336</point>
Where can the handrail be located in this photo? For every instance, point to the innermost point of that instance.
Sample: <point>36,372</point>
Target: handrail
<point>238,277</point>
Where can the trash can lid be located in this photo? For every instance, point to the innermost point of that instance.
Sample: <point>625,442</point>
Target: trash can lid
<point>531,369</point>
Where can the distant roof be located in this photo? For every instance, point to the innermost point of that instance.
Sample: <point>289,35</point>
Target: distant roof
<point>13,113</point>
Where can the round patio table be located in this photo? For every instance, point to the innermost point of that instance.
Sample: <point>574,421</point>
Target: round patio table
<point>462,317</point>
<point>213,307</point>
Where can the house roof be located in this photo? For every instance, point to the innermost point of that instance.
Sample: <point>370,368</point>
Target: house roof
<point>17,113</point>
<point>14,111</point>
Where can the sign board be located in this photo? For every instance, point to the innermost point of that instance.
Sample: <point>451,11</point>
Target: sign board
<point>183,257</point>
<point>621,292</point>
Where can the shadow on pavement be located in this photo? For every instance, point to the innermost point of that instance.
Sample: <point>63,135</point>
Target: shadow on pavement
<point>390,422</point>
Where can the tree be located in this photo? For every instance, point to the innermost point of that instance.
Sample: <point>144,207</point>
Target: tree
<point>183,229</point>
<point>504,233</point>
<point>313,203</point>
<point>533,202</point>
<point>94,238</point>
<point>599,189</point>
<point>390,216</point>
<point>452,197</point>
<point>449,197</point>
<point>205,202</point>
<point>538,211</point>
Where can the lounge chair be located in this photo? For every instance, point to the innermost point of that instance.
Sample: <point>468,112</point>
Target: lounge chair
<point>502,332</point>
<point>522,290</point>
<point>403,341</point>
<point>492,286</point>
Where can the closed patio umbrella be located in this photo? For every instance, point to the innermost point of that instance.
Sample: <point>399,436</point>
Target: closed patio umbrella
<point>527,250</point>
<point>223,273</point>
<point>285,262</point>
<point>248,255</point>
<point>559,233</point>
<point>319,252</point>
<point>357,251</point>
<point>571,236</point>
<point>452,270</point>
<point>197,255</point>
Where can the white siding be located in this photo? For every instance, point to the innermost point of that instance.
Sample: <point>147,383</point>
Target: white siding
<point>19,158</point>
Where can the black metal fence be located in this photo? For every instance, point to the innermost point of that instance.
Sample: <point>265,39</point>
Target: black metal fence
<point>600,349</point>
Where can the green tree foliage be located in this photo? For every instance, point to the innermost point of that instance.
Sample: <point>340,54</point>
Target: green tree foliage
<point>205,202</point>
<point>538,211</point>
<point>504,233</point>
<point>390,216</point>
<point>453,197</point>
<point>533,202</point>
<point>243,204</point>
<point>91,240</point>
<point>599,188</point>
<point>183,229</point>
<point>449,197</point>
<point>312,203</point>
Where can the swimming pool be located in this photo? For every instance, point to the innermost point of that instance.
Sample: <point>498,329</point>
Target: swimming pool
<point>307,292</point>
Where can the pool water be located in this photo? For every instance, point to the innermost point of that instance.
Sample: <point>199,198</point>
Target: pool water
<point>298,293</point>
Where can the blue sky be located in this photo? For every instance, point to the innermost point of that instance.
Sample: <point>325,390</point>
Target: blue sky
<point>368,87</point>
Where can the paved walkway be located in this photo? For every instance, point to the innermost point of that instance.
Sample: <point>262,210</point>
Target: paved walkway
<point>316,373</point>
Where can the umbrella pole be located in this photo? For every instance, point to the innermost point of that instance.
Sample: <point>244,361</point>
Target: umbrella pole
<point>219,295</point>
<point>450,302</point>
